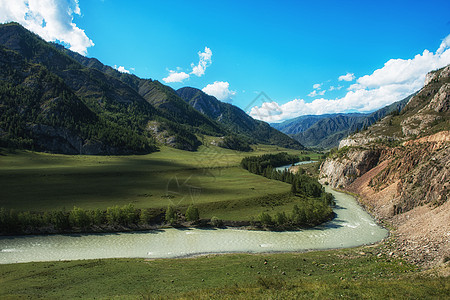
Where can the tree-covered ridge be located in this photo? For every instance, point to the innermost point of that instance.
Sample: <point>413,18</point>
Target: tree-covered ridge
<point>236,120</point>
<point>112,100</point>
<point>39,111</point>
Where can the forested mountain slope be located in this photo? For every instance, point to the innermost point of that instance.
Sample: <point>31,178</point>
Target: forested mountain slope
<point>236,120</point>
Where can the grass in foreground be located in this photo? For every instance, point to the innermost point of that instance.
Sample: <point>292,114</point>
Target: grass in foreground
<point>350,273</point>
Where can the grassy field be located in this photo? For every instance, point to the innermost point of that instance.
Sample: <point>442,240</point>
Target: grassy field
<point>210,178</point>
<point>358,273</point>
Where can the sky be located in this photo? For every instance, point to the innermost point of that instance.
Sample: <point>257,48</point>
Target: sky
<point>274,59</point>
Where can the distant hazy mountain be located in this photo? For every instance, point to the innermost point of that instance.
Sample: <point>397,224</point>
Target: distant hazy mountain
<point>303,123</point>
<point>325,131</point>
<point>235,119</point>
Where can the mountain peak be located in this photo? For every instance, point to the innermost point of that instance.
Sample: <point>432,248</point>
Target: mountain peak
<point>234,118</point>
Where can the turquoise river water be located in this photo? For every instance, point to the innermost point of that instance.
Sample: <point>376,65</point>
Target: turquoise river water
<point>351,227</point>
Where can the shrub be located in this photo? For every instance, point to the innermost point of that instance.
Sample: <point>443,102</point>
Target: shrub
<point>216,222</point>
<point>79,218</point>
<point>192,214</point>
<point>170,216</point>
<point>265,219</point>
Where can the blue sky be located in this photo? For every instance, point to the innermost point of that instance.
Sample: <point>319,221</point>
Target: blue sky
<point>293,51</point>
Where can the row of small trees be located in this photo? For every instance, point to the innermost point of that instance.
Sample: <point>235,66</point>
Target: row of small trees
<point>310,213</point>
<point>173,217</point>
<point>315,205</point>
<point>12,221</point>
<point>259,164</point>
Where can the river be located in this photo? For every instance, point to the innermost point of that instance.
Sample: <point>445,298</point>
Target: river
<point>351,227</point>
<point>286,167</point>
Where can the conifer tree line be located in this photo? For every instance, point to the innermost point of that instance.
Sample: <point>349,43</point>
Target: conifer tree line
<point>315,207</point>
<point>77,219</point>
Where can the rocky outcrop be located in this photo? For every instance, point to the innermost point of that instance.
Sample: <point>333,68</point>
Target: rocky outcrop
<point>400,167</point>
<point>406,186</point>
<point>342,170</point>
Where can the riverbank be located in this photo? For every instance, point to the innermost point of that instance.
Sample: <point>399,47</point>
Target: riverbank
<point>352,227</point>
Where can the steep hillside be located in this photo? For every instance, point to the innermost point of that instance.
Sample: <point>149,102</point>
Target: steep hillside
<point>39,111</point>
<point>401,168</point>
<point>165,99</point>
<point>326,131</point>
<point>146,108</point>
<point>235,119</point>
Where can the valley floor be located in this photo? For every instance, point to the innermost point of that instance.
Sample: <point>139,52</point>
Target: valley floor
<point>371,272</point>
<point>210,178</point>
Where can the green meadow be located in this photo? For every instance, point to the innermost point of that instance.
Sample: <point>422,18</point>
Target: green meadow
<point>210,178</point>
<point>359,273</point>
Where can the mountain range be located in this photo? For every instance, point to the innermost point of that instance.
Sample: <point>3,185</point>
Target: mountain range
<point>326,131</point>
<point>53,99</point>
<point>234,118</point>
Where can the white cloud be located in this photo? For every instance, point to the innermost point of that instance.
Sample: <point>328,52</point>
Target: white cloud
<point>317,86</point>
<point>347,77</point>
<point>315,93</point>
<point>396,80</point>
<point>175,77</point>
<point>220,90</point>
<point>50,19</point>
<point>198,70</point>
<point>122,69</point>
<point>335,88</point>
<point>204,61</point>
<point>444,45</point>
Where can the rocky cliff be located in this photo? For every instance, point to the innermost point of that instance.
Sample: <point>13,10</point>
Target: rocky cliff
<point>400,167</point>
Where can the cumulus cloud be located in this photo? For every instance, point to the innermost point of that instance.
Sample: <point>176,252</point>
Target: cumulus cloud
<point>50,19</point>
<point>315,93</point>
<point>204,61</point>
<point>198,70</point>
<point>317,86</point>
<point>347,77</point>
<point>121,69</point>
<point>220,90</point>
<point>176,76</point>
<point>335,88</point>
<point>396,80</point>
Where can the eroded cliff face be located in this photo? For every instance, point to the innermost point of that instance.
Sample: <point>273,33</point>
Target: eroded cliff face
<point>400,167</point>
<point>342,170</point>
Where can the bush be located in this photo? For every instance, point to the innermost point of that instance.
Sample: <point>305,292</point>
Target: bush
<point>79,218</point>
<point>170,216</point>
<point>145,216</point>
<point>216,222</point>
<point>265,219</point>
<point>192,214</point>
<point>281,219</point>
